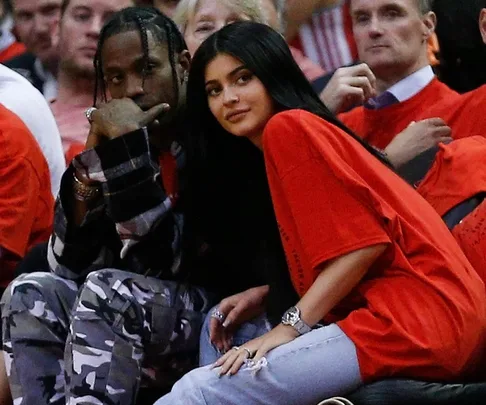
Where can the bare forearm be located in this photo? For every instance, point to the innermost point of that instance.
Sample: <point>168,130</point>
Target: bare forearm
<point>335,282</point>
<point>300,11</point>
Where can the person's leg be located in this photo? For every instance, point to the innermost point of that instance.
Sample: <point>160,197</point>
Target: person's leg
<point>320,364</point>
<point>120,322</point>
<point>35,318</point>
<point>208,353</point>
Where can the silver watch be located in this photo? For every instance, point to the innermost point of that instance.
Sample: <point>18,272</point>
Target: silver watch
<point>292,317</point>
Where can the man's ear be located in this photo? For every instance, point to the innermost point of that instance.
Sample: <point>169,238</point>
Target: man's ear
<point>482,24</point>
<point>184,63</point>
<point>429,24</point>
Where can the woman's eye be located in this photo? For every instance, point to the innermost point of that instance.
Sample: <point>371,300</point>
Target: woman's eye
<point>204,28</point>
<point>244,78</point>
<point>211,92</point>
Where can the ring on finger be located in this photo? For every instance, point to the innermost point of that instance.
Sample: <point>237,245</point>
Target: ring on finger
<point>250,355</point>
<point>236,348</point>
<point>89,113</point>
<point>218,315</point>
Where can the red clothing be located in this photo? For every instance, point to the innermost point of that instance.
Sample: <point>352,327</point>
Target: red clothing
<point>459,173</point>
<point>469,233</point>
<point>420,311</point>
<point>16,49</point>
<point>380,126</point>
<point>464,114</point>
<point>26,203</point>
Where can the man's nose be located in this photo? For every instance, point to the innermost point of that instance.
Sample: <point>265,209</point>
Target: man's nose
<point>134,88</point>
<point>375,27</point>
<point>41,25</point>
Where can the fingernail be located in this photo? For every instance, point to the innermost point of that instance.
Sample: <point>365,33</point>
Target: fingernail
<point>226,323</point>
<point>166,106</point>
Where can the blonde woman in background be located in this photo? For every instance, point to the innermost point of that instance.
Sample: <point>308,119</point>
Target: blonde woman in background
<point>198,19</point>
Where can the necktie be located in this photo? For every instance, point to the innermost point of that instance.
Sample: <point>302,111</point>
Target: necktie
<point>383,100</point>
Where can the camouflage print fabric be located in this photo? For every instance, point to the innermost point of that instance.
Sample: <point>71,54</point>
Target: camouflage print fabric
<point>35,320</point>
<point>123,322</point>
<point>92,347</point>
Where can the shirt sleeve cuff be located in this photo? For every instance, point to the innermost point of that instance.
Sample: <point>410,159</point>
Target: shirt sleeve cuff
<point>116,157</point>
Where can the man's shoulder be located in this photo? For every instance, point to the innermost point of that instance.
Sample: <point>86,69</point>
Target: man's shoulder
<point>437,91</point>
<point>25,60</point>
<point>25,65</point>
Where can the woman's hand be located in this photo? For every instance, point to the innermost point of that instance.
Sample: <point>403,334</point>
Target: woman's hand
<point>119,117</point>
<point>237,309</point>
<point>255,349</point>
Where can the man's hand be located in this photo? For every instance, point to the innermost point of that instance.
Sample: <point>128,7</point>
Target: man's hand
<point>119,117</point>
<point>238,308</point>
<point>349,86</point>
<point>417,138</point>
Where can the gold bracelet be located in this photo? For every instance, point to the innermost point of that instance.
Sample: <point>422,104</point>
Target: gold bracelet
<point>83,192</point>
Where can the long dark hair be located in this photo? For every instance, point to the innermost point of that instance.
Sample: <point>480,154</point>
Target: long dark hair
<point>228,172</point>
<point>143,19</point>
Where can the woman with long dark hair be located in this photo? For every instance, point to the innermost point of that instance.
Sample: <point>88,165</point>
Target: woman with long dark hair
<point>384,290</point>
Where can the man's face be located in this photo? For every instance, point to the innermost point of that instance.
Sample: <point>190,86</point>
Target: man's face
<point>36,23</point>
<point>166,6</point>
<point>391,34</point>
<point>123,64</point>
<point>80,26</point>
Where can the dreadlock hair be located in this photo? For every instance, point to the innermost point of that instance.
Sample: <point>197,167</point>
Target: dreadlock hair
<point>143,19</point>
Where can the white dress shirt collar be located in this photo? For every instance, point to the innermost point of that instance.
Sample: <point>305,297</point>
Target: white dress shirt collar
<point>412,84</point>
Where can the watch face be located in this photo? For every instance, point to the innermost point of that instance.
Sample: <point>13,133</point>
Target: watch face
<point>291,317</point>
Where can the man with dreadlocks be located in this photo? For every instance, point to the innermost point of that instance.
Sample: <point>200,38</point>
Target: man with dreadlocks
<point>117,229</point>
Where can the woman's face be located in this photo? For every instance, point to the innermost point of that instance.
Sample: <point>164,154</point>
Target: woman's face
<point>237,98</point>
<point>210,16</point>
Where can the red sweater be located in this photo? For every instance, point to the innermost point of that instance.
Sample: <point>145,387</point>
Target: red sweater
<point>465,114</point>
<point>379,127</point>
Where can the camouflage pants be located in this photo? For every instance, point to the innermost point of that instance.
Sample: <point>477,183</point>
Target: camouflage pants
<point>91,346</point>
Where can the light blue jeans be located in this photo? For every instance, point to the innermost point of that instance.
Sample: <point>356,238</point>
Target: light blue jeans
<point>318,365</point>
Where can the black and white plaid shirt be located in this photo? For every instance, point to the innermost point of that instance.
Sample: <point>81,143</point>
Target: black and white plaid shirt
<point>134,227</point>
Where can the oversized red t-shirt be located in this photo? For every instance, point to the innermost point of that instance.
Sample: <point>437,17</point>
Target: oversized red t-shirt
<point>420,312</point>
<point>26,203</point>
<point>379,127</point>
